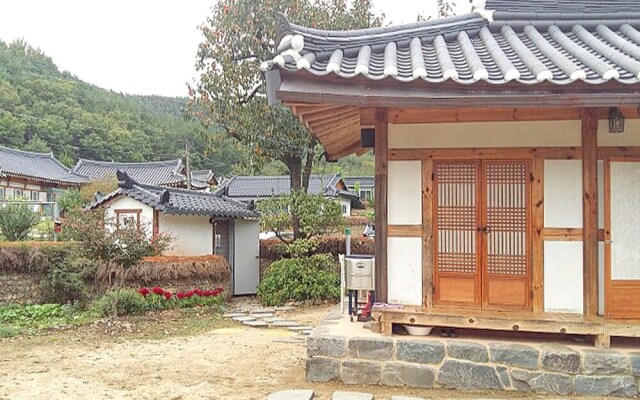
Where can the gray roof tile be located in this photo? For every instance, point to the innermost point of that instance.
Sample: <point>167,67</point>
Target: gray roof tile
<point>152,173</point>
<point>250,187</point>
<point>39,166</point>
<point>560,41</point>
<point>178,201</point>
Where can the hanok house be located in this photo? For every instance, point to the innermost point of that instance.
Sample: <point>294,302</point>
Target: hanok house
<point>507,159</point>
<point>200,223</point>
<point>171,173</point>
<point>364,186</point>
<point>38,178</point>
<point>255,188</point>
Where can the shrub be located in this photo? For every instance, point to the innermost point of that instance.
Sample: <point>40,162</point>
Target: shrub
<point>300,279</point>
<point>7,331</point>
<point>120,302</point>
<point>273,249</point>
<point>17,220</point>
<point>70,200</point>
<point>36,316</point>
<point>66,280</point>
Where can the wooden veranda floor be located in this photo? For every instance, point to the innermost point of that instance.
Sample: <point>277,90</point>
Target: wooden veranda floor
<point>600,328</point>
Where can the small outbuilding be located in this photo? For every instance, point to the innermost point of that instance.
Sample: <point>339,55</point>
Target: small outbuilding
<point>200,223</point>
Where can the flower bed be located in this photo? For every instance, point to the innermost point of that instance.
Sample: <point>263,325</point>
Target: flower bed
<point>159,298</point>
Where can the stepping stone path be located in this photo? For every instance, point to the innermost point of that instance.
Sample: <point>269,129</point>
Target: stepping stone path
<point>351,396</point>
<point>263,317</point>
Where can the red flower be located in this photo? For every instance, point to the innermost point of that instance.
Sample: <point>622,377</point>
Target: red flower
<point>209,293</point>
<point>167,295</point>
<point>180,295</point>
<point>215,292</point>
<point>143,291</point>
<point>189,294</point>
<point>220,289</point>
<point>199,292</point>
<point>158,290</point>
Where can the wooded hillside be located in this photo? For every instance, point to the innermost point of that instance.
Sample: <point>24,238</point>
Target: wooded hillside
<point>44,109</point>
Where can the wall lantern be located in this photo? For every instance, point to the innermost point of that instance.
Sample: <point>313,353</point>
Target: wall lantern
<point>367,138</point>
<point>616,120</point>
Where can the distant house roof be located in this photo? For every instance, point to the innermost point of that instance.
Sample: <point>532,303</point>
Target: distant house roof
<point>177,201</point>
<point>363,181</point>
<point>203,178</point>
<point>42,167</point>
<point>151,173</point>
<point>252,187</point>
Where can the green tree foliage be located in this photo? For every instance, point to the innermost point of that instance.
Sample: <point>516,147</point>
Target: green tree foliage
<point>17,220</point>
<point>316,214</point>
<point>239,35</point>
<point>43,109</point>
<point>298,279</point>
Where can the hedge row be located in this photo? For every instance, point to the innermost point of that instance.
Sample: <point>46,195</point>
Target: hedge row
<point>32,257</point>
<point>270,249</point>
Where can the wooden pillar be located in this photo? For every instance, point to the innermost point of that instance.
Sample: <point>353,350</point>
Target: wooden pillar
<point>381,171</point>
<point>537,255</point>
<point>427,232</point>
<point>590,210</point>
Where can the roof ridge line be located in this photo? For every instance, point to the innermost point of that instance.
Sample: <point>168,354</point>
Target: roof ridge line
<point>34,153</point>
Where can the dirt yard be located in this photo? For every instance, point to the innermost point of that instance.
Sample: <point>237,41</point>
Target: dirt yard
<point>169,356</point>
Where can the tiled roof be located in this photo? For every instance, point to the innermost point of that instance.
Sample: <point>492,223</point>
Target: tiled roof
<point>39,166</point>
<point>178,201</point>
<point>250,187</point>
<point>521,41</point>
<point>151,173</point>
<point>202,178</point>
<point>367,181</point>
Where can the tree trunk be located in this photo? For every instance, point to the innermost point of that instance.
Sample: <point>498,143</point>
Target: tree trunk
<point>294,164</point>
<point>308,166</point>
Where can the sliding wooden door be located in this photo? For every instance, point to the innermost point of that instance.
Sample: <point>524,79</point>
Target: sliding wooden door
<point>482,235</point>
<point>622,230</point>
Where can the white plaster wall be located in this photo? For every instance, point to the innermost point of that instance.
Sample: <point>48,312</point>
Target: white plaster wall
<point>404,199</point>
<point>563,193</point>
<point>563,277</point>
<point>630,136</point>
<point>404,270</point>
<point>345,203</point>
<point>192,235</point>
<point>485,134</point>
<point>18,185</point>
<point>30,186</point>
<point>127,203</point>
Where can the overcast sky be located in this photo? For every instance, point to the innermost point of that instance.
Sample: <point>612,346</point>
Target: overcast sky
<point>133,46</point>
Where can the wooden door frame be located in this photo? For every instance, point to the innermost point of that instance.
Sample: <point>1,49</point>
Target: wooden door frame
<point>481,245</point>
<point>477,303</point>
<point>484,243</point>
<point>609,284</point>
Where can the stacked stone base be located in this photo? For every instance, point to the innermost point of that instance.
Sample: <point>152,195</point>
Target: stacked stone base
<point>457,364</point>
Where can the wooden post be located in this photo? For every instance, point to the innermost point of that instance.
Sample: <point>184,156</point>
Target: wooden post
<point>590,210</point>
<point>537,255</point>
<point>382,166</point>
<point>427,232</point>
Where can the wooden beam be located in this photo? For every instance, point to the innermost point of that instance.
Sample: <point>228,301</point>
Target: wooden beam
<point>381,174</point>
<point>367,117</point>
<point>404,231</point>
<point>427,233</point>
<point>537,253</point>
<point>559,153</point>
<point>590,211</point>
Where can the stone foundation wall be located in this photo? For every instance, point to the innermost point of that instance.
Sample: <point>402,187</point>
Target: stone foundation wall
<point>19,288</point>
<point>459,364</point>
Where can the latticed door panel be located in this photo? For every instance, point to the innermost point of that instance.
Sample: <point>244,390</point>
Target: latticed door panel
<point>456,219</point>
<point>506,236</point>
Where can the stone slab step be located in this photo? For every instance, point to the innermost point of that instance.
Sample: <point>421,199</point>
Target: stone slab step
<point>300,328</point>
<point>263,310</point>
<point>243,319</point>
<point>284,324</point>
<point>256,324</point>
<point>262,316</point>
<point>307,332</point>
<point>286,308</point>
<point>291,395</point>
<point>273,319</point>
<point>293,340</point>
<point>339,395</point>
<point>233,314</point>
